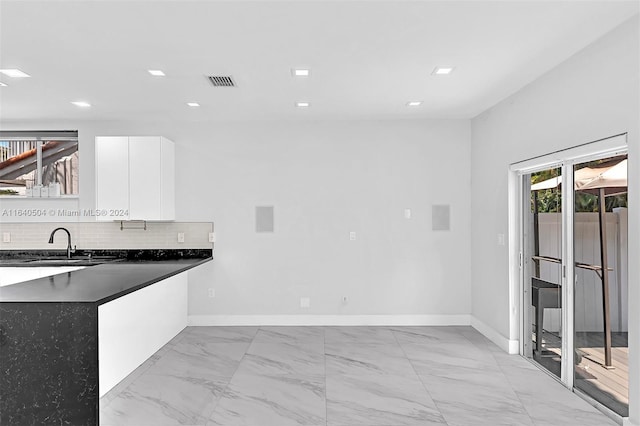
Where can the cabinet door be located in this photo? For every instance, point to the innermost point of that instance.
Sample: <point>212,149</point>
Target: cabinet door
<point>145,178</point>
<point>112,177</point>
<point>168,180</point>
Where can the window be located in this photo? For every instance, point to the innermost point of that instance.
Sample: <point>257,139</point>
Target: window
<point>39,163</point>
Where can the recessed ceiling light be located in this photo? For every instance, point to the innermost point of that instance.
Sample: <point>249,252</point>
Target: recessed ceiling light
<point>442,70</point>
<point>2,84</point>
<point>156,73</point>
<point>14,73</point>
<point>81,104</point>
<point>193,104</point>
<point>301,72</point>
<point>414,103</point>
<point>303,104</point>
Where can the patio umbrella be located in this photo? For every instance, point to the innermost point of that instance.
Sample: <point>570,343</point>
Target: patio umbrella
<point>612,178</point>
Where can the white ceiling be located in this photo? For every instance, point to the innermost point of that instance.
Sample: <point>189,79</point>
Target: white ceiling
<point>368,58</point>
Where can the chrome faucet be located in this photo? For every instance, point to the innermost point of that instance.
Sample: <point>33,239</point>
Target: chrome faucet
<point>69,249</point>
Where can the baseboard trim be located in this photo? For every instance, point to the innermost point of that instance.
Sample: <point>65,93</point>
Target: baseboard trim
<point>508,345</point>
<point>263,320</point>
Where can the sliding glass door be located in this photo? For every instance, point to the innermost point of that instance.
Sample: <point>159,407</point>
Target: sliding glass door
<point>543,267</point>
<point>573,278</point>
<point>601,285</point>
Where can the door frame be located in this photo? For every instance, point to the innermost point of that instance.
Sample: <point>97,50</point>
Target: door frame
<point>602,148</point>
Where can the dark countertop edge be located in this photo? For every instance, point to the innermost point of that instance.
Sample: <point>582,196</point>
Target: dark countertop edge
<point>179,268</point>
<point>148,283</point>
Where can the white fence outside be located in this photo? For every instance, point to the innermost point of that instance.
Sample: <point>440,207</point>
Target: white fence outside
<point>10,149</point>
<point>588,290</point>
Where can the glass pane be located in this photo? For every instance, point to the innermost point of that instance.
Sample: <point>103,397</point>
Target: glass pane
<point>60,165</point>
<point>19,166</point>
<point>543,268</point>
<point>600,244</point>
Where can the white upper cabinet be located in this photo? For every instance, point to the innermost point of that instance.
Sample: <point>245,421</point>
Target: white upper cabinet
<point>135,178</point>
<point>145,177</point>
<point>168,171</point>
<point>112,177</point>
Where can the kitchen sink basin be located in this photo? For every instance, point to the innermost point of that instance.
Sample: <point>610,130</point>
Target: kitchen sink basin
<point>59,260</point>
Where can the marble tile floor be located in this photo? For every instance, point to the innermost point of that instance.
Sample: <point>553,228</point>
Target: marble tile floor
<point>340,376</point>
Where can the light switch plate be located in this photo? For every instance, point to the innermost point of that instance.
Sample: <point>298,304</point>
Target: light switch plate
<point>305,302</point>
<point>6,237</point>
<point>352,236</point>
<point>181,237</point>
<point>407,213</point>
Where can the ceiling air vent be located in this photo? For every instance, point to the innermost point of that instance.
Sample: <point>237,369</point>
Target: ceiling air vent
<point>222,81</point>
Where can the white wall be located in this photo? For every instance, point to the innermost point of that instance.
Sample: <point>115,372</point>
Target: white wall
<point>591,96</point>
<point>324,179</point>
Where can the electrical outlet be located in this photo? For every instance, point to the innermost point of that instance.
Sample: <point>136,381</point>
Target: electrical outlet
<point>212,237</point>
<point>407,213</point>
<point>212,292</point>
<point>6,237</point>
<point>305,302</point>
<point>501,239</point>
<point>352,236</point>
<point>181,237</point>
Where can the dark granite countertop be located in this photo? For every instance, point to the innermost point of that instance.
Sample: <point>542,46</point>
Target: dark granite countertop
<point>100,283</point>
